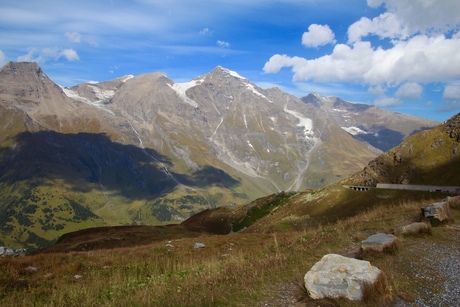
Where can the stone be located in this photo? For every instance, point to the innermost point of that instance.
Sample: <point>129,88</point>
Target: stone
<point>411,229</point>
<point>336,276</point>
<point>439,211</point>
<point>31,269</point>
<point>9,252</point>
<point>378,242</point>
<point>199,245</point>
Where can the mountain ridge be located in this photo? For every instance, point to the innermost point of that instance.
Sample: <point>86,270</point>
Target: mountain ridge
<point>216,140</point>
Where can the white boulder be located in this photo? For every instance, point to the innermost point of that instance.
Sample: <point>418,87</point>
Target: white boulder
<point>336,276</point>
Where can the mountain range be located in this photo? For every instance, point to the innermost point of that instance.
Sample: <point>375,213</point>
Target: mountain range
<point>144,150</point>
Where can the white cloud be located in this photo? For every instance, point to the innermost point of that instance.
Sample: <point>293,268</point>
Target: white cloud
<point>385,101</point>
<point>73,37</point>
<point>409,90</point>
<point>3,59</point>
<point>377,90</point>
<point>223,44</point>
<point>423,15</point>
<point>70,55</point>
<point>386,25</point>
<point>451,97</point>
<point>46,54</point>
<point>317,35</point>
<point>278,61</point>
<point>419,59</point>
<point>205,32</point>
<point>422,47</point>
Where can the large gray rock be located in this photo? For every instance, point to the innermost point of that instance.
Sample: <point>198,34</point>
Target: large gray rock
<point>336,276</point>
<point>378,242</point>
<point>439,211</point>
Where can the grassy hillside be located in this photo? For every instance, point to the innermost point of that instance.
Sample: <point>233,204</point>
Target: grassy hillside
<point>430,157</point>
<point>170,272</point>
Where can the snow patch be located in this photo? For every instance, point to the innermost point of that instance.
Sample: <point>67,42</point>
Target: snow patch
<point>253,89</point>
<point>304,122</point>
<point>126,78</point>
<point>101,94</point>
<point>232,73</point>
<point>181,88</point>
<point>250,145</point>
<point>354,130</point>
<point>246,82</point>
<point>74,95</point>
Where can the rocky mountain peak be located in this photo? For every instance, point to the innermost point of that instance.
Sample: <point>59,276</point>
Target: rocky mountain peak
<point>20,69</point>
<point>25,85</point>
<point>221,74</point>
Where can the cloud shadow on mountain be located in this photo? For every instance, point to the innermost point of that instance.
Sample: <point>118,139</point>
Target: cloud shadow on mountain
<point>86,161</point>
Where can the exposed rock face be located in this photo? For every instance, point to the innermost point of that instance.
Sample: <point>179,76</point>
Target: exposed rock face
<point>412,229</point>
<point>335,276</point>
<point>378,242</point>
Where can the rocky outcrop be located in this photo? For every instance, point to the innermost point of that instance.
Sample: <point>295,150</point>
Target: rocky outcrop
<point>9,252</point>
<point>438,211</point>
<point>336,276</point>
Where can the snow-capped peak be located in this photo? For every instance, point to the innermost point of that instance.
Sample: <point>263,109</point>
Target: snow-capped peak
<point>126,78</point>
<point>231,73</point>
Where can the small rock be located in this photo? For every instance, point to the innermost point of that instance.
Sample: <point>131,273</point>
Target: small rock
<point>199,245</point>
<point>378,242</point>
<point>412,229</point>
<point>77,276</point>
<point>31,269</point>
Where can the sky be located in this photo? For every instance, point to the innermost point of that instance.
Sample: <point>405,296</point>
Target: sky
<point>399,55</point>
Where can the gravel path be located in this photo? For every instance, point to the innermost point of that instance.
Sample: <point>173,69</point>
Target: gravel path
<point>440,265</point>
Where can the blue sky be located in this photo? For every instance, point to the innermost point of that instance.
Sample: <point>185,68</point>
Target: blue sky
<point>400,55</point>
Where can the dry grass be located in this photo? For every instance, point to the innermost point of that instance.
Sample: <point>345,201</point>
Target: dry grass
<point>454,203</point>
<point>377,293</point>
<point>232,270</point>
